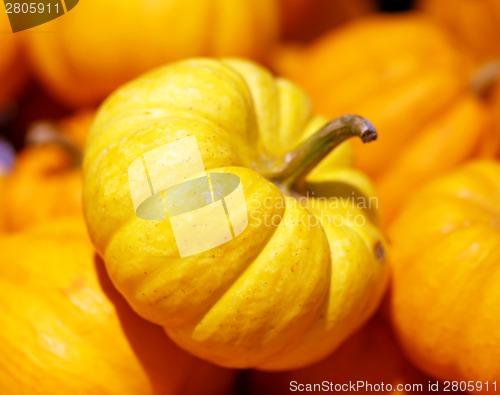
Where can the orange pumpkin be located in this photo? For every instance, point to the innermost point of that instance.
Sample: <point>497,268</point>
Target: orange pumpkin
<point>46,180</point>
<point>12,65</point>
<point>43,184</point>
<point>66,330</point>
<point>446,278</point>
<point>407,76</point>
<point>476,22</point>
<point>370,356</point>
<point>101,44</point>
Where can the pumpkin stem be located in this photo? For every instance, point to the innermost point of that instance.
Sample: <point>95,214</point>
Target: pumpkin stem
<point>292,169</point>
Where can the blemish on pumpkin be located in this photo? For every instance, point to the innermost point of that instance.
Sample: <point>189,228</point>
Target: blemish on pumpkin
<point>379,252</point>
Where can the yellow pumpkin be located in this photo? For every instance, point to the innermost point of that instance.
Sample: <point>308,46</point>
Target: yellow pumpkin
<point>101,44</point>
<point>65,329</point>
<point>296,275</point>
<point>446,278</point>
<point>411,80</point>
<point>475,22</point>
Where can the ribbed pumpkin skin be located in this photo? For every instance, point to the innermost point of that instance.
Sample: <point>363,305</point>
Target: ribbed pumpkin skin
<point>410,77</point>
<point>65,330</point>
<point>269,297</point>
<point>82,65</point>
<point>446,279</point>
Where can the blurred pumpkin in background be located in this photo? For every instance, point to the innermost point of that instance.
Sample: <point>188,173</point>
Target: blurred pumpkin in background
<point>44,183</point>
<point>101,44</point>
<point>370,355</point>
<point>13,69</point>
<point>304,20</point>
<point>46,179</point>
<point>475,22</point>
<point>411,79</point>
<point>446,277</point>
<point>66,330</point>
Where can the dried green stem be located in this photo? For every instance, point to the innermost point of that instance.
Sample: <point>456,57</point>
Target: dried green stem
<point>292,169</point>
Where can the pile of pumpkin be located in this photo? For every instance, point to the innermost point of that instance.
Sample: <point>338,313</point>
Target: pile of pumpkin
<point>102,303</point>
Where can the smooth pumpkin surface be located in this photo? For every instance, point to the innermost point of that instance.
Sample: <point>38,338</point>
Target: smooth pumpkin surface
<point>476,23</point>
<point>295,283</point>
<point>446,277</point>
<point>101,44</point>
<point>65,329</point>
<point>371,355</point>
<point>410,78</point>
